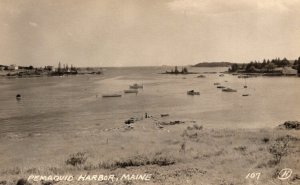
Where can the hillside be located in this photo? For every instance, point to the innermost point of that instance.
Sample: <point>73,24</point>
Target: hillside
<point>213,64</point>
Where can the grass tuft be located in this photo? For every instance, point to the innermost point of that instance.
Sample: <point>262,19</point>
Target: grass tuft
<point>77,159</point>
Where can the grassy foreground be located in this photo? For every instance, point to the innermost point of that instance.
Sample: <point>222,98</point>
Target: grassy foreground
<point>171,152</point>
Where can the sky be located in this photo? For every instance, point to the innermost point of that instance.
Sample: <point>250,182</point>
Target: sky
<point>147,32</point>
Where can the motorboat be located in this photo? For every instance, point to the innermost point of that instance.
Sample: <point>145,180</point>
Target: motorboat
<point>229,90</point>
<point>192,92</point>
<point>131,91</point>
<point>136,86</point>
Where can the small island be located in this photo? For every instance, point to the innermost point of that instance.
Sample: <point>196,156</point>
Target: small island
<point>213,64</point>
<point>184,71</point>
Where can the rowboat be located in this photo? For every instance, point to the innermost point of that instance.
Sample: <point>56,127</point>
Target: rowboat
<point>111,95</point>
<point>136,86</point>
<point>131,91</point>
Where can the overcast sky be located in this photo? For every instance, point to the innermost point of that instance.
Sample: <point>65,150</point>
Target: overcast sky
<point>147,32</point>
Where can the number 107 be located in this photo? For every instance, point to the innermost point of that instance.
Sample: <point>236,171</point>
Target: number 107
<point>253,176</point>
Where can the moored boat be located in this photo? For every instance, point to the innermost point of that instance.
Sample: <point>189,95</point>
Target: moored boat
<point>229,90</point>
<point>192,92</point>
<point>111,95</point>
<point>18,97</point>
<point>136,86</point>
<point>131,91</point>
<point>201,76</point>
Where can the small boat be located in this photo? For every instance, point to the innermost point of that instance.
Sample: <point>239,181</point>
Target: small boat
<point>136,86</point>
<point>201,76</point>
<point>18,97</point>
<point>164,115</point>
<point>131,91</point>
<point>192,92</point>
<point>216,83</point>
<point>221,87</point>
<point>111,95</point>
<point>245,94</point>
<point>229,90</point>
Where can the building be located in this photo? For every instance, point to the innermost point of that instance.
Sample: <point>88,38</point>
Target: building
<point>50,68</point>
<point>288,71</point>
<point>13,67</point>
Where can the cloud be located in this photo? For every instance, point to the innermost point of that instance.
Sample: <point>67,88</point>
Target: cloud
<point>33,24</point>
<point>217,6</point>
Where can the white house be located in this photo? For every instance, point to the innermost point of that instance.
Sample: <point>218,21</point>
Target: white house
<point>289,71</point>
<point>286,71</point>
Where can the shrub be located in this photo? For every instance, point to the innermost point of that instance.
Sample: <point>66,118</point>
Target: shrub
<point>195,127</point>
<point>140,160</point>
<point>265,140</point>
<point>77,159</point>
<point>279,149</point>
<point>241,148</point>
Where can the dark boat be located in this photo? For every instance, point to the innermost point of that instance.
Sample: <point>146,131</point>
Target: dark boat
<point>229,90</point>
<point>18,97</point>
<point>192,92</point>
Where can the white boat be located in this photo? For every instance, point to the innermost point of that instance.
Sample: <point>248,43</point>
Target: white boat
<point>131,91</point>
<point>136,86</point>
<point>111,95</point>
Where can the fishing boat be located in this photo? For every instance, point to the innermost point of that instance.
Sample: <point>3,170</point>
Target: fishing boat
<point>111,95</point>
<point>192,92</point>
<point>229,90</point>
<point>131,91</point>
<point>136,86</point>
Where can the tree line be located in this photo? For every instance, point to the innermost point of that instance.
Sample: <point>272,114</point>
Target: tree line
<point>265,66</point>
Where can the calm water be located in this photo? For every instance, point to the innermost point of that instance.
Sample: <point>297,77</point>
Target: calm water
<point>69,104</point>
